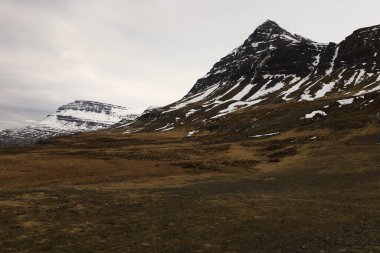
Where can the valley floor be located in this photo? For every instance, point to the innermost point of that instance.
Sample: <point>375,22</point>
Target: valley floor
<point>163,193</point>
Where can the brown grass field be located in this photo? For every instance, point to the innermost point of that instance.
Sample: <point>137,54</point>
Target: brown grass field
<point>162,192</point>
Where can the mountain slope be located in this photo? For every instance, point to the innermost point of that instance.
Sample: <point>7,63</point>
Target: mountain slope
<point>276,67</point>
<point>78,116</point>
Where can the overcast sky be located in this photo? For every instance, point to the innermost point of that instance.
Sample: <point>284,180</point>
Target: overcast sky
<point>138,53</point>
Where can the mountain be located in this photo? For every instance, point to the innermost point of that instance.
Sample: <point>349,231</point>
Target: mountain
<point>78,116</point>
<point>277,70</point>
<point>276,81</point>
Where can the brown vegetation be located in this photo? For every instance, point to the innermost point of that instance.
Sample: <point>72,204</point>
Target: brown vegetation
<point>162,192</point>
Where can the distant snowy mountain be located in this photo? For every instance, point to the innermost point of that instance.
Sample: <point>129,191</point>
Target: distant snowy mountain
<point>276,67</point>
<point>78,116</point>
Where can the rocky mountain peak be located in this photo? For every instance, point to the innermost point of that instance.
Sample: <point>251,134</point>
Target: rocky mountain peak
<point>270,31</point>
<point>270,49</point>
<point>269,25</point>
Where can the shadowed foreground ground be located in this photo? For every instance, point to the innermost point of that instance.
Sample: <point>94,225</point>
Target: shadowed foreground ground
<point>169,195</point>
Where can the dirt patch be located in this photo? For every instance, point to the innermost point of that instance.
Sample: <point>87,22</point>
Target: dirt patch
<point>11,203</point>
<point>30,224</point>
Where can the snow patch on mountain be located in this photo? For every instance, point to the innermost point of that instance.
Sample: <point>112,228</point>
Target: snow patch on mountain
<point>347,101</point>
<point>330,70</point>
<point>314,114</point>
<point>264,135</point>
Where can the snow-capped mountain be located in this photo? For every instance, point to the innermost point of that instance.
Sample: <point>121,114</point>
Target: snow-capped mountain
<point>274,66</point>
<point>78,116</point>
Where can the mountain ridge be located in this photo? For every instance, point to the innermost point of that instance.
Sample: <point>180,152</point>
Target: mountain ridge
<point>74,117</point>
<point>273,66</point>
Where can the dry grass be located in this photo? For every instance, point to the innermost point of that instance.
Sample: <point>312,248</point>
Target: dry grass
<point>165,193</point>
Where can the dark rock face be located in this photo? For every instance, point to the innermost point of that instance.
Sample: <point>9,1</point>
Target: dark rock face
<point>326,58</point>
<point>79,116</point>
<point>360,50</point>
<point>89,106</point>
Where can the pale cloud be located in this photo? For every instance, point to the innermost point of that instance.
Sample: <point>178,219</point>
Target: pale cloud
<point>139,53</point>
